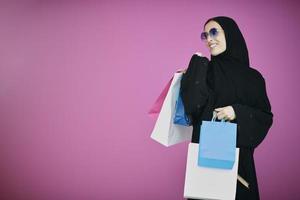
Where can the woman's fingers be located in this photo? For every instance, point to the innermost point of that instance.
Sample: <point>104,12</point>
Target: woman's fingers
<point>199,54</point>
<point>221,116</point>
<point>182,70</point>
<point>219,109</point>
<point>224,113</point>
<point>220,113</point>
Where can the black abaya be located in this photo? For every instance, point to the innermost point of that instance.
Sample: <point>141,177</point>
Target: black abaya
<point>228,80</point>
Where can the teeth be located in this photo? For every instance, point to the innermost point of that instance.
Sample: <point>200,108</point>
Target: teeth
<point>213,45</point>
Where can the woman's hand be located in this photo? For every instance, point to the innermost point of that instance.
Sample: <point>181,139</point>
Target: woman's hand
<point>226,113</point>
<point>184,70</point>
<point>199,54</point>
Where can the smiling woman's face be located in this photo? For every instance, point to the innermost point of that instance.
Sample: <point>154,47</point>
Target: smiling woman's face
<point>216,45</point>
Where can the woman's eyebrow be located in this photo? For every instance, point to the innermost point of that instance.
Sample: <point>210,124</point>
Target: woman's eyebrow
<point>212,28</point>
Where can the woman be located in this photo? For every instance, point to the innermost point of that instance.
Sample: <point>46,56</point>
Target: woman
<point>228,86</point>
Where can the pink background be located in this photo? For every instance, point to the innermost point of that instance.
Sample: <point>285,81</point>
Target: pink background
<point>77,79</point>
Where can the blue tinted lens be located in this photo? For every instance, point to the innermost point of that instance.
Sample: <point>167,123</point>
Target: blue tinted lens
<point>203,36</point>
<point>213,32</point>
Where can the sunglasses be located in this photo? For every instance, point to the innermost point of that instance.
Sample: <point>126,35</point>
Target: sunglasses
<point>213,33</point>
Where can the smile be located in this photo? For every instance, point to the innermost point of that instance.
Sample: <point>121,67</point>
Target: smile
<point>213,45</point>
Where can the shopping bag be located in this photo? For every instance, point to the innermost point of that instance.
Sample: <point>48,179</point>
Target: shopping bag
<point>156,107</point>
<point>209,183</point>
<point>217,144</point>
<point>165,131</point>
<point>180,116</point>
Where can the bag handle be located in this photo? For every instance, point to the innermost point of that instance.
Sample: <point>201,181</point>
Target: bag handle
<point>215,116</point>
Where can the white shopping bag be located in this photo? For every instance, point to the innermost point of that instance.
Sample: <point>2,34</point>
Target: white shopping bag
<point>165,131</point>
<point>209,183</point>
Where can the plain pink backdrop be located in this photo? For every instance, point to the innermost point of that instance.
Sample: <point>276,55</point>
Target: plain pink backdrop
<point>78,78</point>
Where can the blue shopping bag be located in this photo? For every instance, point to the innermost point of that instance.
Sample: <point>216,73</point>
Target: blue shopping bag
<point>180,117</point>
<point>217,144</point>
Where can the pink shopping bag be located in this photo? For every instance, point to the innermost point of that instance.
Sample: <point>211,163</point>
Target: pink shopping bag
<point>156,107</point>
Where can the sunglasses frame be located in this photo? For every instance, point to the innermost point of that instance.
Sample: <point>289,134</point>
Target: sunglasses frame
<point>205,34</point>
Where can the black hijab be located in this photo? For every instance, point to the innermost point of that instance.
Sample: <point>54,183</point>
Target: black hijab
<point>226,79</point>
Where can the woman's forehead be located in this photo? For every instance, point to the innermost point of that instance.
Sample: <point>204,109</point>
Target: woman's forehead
<point>212,24</point>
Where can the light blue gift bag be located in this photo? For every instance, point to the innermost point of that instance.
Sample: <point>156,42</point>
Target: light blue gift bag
<point>217,144</point>
<point>180,116</point>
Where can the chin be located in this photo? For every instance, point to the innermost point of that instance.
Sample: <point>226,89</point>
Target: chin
<point>215,53</point>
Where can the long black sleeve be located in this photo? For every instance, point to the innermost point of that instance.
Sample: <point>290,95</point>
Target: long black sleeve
<point>193,89</point>
<point>253,123</point>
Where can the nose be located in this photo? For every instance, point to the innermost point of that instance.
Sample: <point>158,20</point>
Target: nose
<point>209,39</point>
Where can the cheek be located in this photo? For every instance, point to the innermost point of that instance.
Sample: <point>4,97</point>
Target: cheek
<point>222,43</point>
<point>222,40</point>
